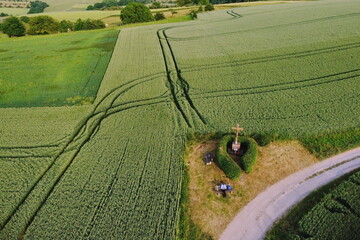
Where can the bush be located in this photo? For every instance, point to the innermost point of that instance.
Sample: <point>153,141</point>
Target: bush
<point>250,156</point>
<point>226,163</point>
<point>90,8</point>
<point>43,25</point>
<point>209,7</point>
<point>135,13</point>
<point>25,19</point>
<point>200,8</point>
<point>265,138</point>
<point>37,7</point>
<point>159,16</point>
<point>88,24</point>
<point>13,27</point>
<point>193,14</point>
<point>66,26</point>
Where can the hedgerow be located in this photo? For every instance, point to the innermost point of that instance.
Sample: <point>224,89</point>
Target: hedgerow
<point>226,163</point>
<point>247,161</point>
<point>249,158</point>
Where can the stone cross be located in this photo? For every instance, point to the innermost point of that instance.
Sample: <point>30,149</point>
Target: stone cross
<point>237,129</point>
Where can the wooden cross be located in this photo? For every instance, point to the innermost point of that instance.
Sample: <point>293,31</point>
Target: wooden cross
<point>237,129</point>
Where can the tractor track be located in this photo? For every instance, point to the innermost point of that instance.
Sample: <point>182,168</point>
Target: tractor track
<point>279,57</point>
<point>350,15</point>
<point>82,134</point>
<point>281,86</point>
<point>178,86</point>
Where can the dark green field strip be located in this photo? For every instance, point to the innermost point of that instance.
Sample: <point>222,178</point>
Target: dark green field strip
<point>63,69</point>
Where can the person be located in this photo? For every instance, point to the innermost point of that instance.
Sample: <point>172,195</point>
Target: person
<point>208,159</point>
<point>229,188</point>
<point>217,190</point>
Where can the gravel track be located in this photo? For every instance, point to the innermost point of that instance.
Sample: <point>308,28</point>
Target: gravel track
<point>253,221</point>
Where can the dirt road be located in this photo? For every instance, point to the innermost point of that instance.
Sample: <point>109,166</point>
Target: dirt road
<point>256,218</point>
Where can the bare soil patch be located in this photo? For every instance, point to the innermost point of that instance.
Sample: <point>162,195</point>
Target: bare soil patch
<point>213,213</point>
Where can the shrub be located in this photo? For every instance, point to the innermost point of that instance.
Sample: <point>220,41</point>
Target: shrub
<point>13,27</point>
<point>226,163</point>
<point>25,19</point>
<point>200,8</point>
<point>135,13</point>
<point>66,26</point>
<point>265,138</point>
<point>159,16</point>
<point>209,7</point>
<point>250,156</point>
<point>37,7</point>
<point>88,24</point>
<point>193,14</point>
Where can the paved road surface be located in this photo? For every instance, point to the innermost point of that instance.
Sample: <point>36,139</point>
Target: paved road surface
<point>257,217</point>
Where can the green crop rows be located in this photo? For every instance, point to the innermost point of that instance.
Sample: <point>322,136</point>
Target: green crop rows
<point>113,169</point>
<point>336,215</point>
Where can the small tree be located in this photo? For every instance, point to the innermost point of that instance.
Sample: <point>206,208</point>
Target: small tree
<point>193,14</point>
<point>200,8</point>
<point>90,8</point>
<point>43,25</point>
<point>13,27</point>
<point>159,16</point>
<point>135,13</point>
<point>66,26</point>
<point>209,7</point>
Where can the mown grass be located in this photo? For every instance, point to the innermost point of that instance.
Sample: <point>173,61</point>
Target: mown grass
<point>54,70</point>
<point>288,226</point>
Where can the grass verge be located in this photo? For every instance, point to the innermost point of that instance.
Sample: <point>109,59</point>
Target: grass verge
<point>329,144</point>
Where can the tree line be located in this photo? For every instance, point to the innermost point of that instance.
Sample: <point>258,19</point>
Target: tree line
<point>40,25</point>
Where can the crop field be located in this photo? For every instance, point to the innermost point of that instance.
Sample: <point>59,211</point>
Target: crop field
<point>65,5</point>
<point>62,69</point>
<point>75,15</point>
<point>14,11</point>
<point>114,169</point>
<point>335,215</point>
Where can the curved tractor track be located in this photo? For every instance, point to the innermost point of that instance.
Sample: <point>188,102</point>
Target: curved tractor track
<point>40,191</point>
<point>178,86</point>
